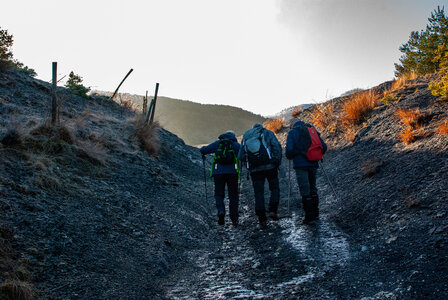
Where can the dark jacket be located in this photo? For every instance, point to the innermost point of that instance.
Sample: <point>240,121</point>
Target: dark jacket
<point>294,148</point>
<point>213,147</point>
<point>272,144</point>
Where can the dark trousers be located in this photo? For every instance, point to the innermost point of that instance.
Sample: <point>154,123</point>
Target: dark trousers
<point>258,179</point>
<point>306,179</point>
<point>232,186</point>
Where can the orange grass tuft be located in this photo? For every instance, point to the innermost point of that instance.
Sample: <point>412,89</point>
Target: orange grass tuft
<point>403,80</point>
<point>443,129</point>
<point>410,118</point>
<point>296,112</point>
<point>274,125</point>
<point>357,108</point>
<point>322,116</point>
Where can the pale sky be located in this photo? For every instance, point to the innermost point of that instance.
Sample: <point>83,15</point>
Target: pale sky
<point>260,55</point>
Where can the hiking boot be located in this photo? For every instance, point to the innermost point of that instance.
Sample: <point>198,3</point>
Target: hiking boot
<point>308,208</point>
<point>221,219</point>
<point>235,223</point>
<point>262,220</point>
<point>315,205</point>
<point>274,216</point>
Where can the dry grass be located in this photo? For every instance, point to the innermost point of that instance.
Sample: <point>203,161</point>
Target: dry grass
<point>296,112</point>
<point>322,116</point>
<point>357,108</point>
<point>403,80</point>
<point>442,129</point>
<point>126,103</point>
<point>147,135</point>
<point>371,166</point>
<point>16,290</point>
<point>412,120</point>
<point>274,125</point>
<point>410,117</point>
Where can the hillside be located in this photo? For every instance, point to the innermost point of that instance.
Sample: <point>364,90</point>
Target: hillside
<point>87,213</point>
<point>197,123</point>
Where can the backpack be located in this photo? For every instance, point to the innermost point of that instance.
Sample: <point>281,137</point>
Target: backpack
<point>312,146</point>
<point>225,155</point>
<point>257,152</point>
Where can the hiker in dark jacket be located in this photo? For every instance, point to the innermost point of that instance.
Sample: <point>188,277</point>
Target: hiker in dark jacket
<point>296,144</point>
<point>225,174</point>
<point>261,169</point>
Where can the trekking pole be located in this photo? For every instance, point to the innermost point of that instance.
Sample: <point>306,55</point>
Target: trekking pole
<point>205,178</point>
<point>289,187</point>
<point>329,181</point>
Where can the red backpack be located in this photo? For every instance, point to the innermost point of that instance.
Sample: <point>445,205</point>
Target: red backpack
<point>316,150</point>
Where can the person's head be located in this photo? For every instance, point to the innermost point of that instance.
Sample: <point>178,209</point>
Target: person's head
<point>230,132</point>
<point>294,122</point>
<point>257,125</point>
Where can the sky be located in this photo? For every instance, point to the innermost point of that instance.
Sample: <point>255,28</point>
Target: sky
<point>260,55</point>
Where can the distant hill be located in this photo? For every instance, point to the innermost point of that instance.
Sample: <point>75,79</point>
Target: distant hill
<point>286,113</point>
<point>198,123</point>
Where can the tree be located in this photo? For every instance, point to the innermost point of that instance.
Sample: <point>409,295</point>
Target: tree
<point>440,88</point>
<point>75,86</point>
<point>6,41</point>
<point>420,53</point>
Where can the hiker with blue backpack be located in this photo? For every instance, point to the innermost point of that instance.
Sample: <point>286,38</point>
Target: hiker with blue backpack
<point>225,171</point>
<point>261,153</point>
<point>305,148</point>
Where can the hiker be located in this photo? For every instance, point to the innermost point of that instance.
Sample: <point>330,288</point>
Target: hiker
<point>305,147</point>
<point>262,154</point>
<point>225,170</point>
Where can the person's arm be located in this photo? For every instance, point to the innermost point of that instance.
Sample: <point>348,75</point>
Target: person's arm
<point>242,152</point>
<point>209,148</point>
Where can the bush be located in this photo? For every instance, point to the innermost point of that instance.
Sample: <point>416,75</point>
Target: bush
<point>388,98</point>
<point>75,86</point>
<point>274,125</point>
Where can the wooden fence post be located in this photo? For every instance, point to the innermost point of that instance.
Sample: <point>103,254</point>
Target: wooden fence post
<point>54,102</point>
<point>116,91</point>
<point>152,107</point>
<point>145,103</point>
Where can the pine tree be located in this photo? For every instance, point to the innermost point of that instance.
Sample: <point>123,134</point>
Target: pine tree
<point>420,53</point>
<point>75,86</point>
<point>6,41</point>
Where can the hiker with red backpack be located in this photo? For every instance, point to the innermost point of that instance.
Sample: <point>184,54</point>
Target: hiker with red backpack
<point>305,147</point>
<point>225,171</point>
<point>261,153</point>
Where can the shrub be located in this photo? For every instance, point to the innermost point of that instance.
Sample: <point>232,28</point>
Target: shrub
<point>24,69</point>
<point>443,129</point>
<point>322,116</point>
<point>297,111</point>
<point>274,125</point>
<point>357,108</point>
<point>75,86</point>
<point>147,134</point>
<point>388,98</point>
